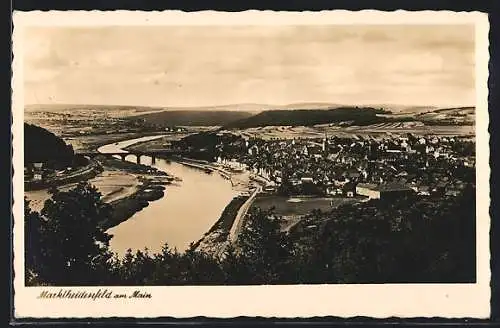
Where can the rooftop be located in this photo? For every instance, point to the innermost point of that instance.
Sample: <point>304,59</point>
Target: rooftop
<point>393,187</point>
<point>368,186</point>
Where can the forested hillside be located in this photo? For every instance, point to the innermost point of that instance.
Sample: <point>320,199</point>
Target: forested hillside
<point>193,118</point>
<point>355,115</point>
<point>41,145</point>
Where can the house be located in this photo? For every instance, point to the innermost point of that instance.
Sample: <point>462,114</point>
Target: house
<point>314,149</point>
<point>37,171</point>
<point>353,175</point>
<point>28,173</point>
<point>420,189</point>
<point>394,190</point>
<point>331,190</point>
<point>254,150</point>
<point>307,179</point>
<point>468,164</point>
<point>369,190</point>
<point>452,192</point>
<point>440,188</point>
<point>349,189</point>
<point>332,157</point>
<point>423,191</point>
<point>270,188</point>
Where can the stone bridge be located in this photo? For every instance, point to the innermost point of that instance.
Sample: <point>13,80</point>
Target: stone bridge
<point>137,154</point>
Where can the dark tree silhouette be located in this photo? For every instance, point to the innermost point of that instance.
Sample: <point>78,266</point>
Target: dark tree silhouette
<point>43,146</point>
<point>34,261</point>
<point>74,247</point>
<point>407,240</point>
<point>265,251</point>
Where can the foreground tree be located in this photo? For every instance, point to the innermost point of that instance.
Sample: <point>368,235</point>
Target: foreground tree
<point>33,257</point>
<point>73,246</point>
<point>265,251</point>
<point>408,240</point>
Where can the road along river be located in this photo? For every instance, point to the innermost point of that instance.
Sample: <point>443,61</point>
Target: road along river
<point>188,209</point>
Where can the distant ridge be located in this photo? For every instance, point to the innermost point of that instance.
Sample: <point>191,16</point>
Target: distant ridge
<point>193,117</point>
<point>63,107</point>
<point>245,107</point>
<point>357,116</point>
<point>307,117</point>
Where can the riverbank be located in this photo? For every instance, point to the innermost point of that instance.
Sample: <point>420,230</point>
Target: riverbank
<point>159,143</point>
<point>226,229</point>
<point>134,168</point>
<point>124,208</point>
<point>150,187</point>
<point>216,240</point>
<point>90,143</point>
<point>87,172</point>
<point>215,237</point>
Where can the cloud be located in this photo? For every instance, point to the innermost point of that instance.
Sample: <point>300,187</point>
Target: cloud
<point>177,66</point>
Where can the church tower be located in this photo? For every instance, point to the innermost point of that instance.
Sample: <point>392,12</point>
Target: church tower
<point>325,145</point>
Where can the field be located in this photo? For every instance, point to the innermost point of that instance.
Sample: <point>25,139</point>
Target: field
<point>375,130</point>
<point>157,144</point>
<point>298,206</point>
<point>90,143</point>
<point>112,185</point>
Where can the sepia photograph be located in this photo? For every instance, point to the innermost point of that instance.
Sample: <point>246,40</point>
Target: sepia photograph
<point>338,152</point>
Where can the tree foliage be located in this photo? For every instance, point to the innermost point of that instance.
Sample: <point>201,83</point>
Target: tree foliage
<point>73,248</point>
<point>43,146</point>
<point>359,116</point>
<point>407,240</point>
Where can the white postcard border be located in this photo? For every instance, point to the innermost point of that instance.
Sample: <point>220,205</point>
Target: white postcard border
<point>378,301</point>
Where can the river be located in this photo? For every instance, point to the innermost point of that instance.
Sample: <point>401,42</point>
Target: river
<point>188,209</point>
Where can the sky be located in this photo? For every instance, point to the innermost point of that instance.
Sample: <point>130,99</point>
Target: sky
<point>217,65</point>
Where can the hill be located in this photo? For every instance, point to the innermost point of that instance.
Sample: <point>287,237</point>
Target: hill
<point>307,117</point>
<point>43,146</point>
<point>138,110</point>
<point>193,117</point>
<point>66,107</point>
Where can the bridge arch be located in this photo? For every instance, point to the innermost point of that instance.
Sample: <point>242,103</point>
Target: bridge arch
<point>138,155</point>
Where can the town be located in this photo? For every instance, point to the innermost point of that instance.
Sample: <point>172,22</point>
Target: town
<point>377,168</point>
<point>316,186</point>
